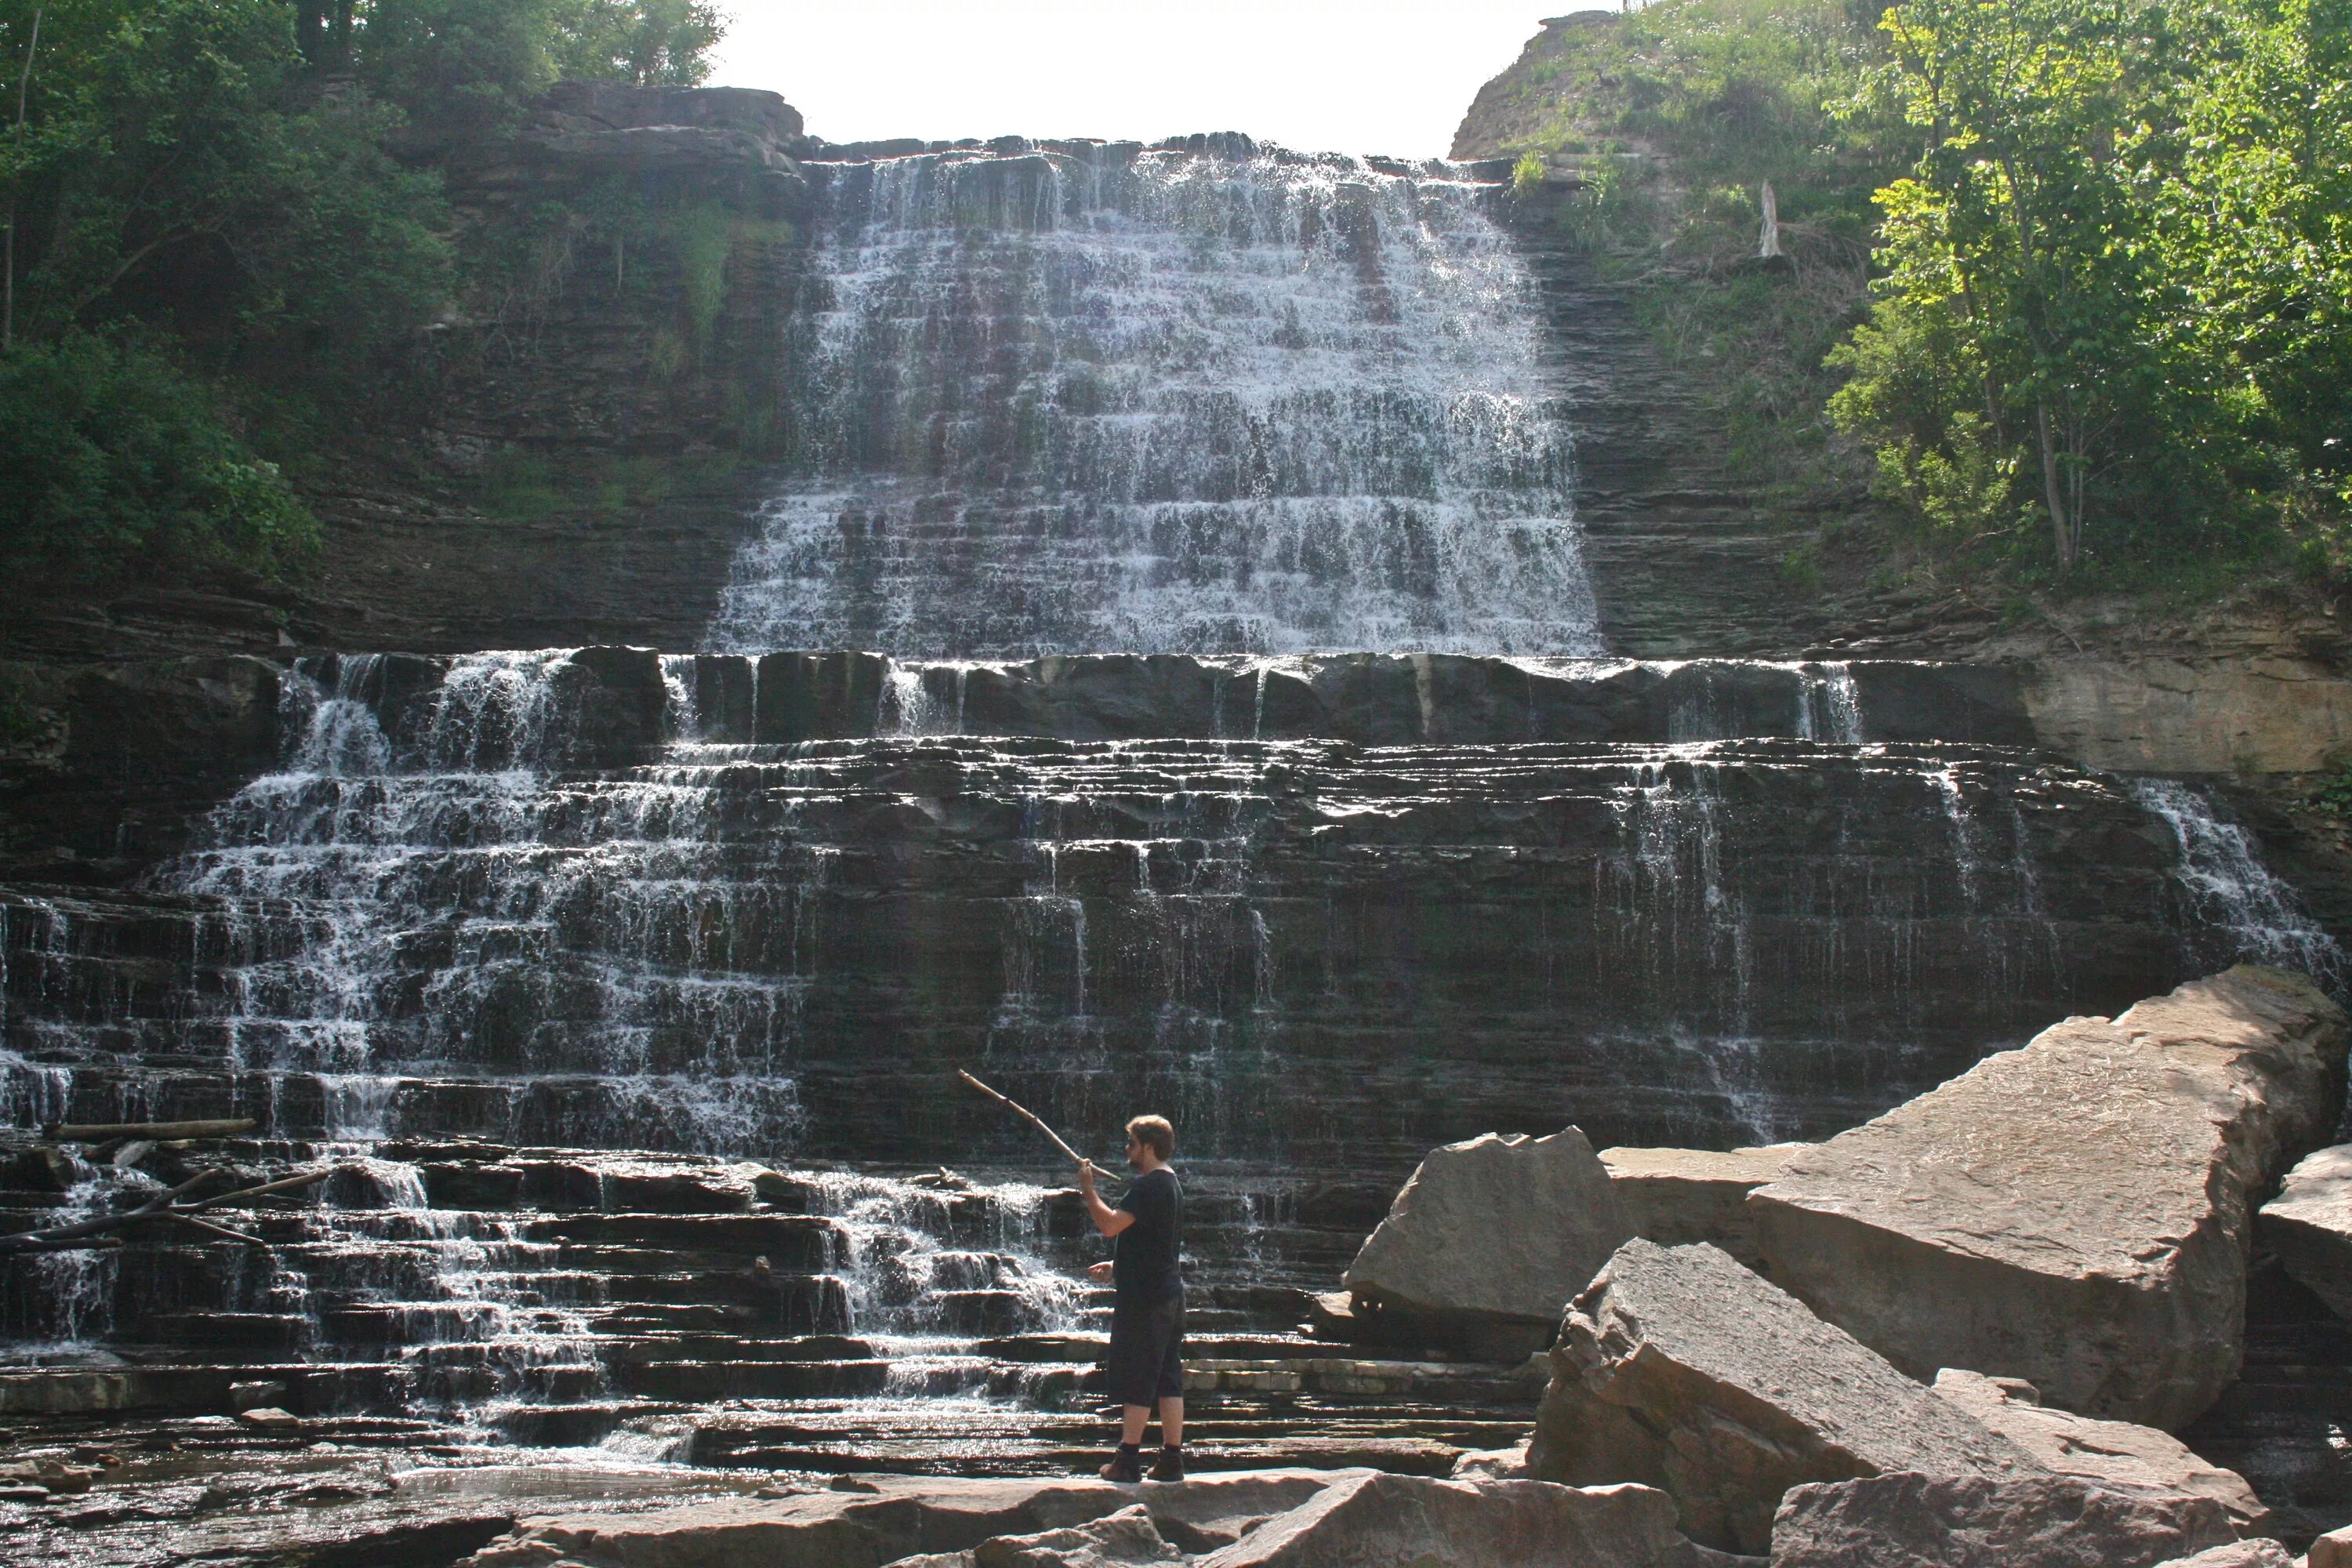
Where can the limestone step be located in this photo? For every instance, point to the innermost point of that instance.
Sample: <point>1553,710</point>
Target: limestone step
<point>650,1348</point>
<point>792,1243</point>
<point>704,1382</point>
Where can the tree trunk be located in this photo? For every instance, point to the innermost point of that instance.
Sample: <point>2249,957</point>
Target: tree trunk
<point>2053,492</point>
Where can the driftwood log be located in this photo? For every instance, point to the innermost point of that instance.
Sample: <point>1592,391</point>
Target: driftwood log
<point>153,1131</point>
<point>171,1206</point>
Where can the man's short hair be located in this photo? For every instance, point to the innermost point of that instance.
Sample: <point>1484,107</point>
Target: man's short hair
<point>1155,1134</point>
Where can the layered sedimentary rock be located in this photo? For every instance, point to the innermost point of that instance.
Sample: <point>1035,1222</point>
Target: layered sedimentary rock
<point>772,897</point>
<point>1924,1520</point>
<point>1487,1243</point>
<point>2309,1226</point>
<point>2114,1454</point>
<point>1679,1369</point>
<point>1677,1196</point>
<point>1984,1225</point>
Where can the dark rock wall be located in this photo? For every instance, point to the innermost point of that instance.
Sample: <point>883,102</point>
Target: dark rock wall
<point>704,903</point>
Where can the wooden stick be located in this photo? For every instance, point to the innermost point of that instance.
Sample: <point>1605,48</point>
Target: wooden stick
<point>160,1131</point>
<point>1031,1117</point>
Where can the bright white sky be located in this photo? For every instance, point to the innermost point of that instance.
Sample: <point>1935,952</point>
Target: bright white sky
<point>1355,76</point>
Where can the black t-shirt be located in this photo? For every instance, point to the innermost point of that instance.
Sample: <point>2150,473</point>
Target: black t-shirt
<point>1143,1260</point>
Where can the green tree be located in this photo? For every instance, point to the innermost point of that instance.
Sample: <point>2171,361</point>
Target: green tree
<point>2024,227</point>
<point>2256,218</point>
<point>108,453</point>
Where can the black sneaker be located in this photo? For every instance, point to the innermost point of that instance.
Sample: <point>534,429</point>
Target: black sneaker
<point>1169,1466</point>
<point>1127,1465</point>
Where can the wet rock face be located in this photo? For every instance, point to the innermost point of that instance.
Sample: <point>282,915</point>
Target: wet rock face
<point>1679,1369</point>
<point>1490,1239</point>
<point>617,898</point>
<point>1915,1521</point>
<point>1983,1226</point>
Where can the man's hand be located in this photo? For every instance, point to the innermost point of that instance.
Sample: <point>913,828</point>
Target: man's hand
<point>1099,1273</point>
<point>1086,1177</point>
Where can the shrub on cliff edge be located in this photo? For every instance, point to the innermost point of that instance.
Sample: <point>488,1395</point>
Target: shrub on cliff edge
<point>110,453</point>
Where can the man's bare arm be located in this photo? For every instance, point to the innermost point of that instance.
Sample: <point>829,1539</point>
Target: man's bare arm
<point>1107,1220</point>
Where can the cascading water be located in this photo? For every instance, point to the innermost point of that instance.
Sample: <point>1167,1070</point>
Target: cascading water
<point>1320,825</point>
<point>1077,398</point>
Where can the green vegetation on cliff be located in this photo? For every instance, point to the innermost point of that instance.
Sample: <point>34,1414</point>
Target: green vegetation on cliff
<point>221,232</point>
<point>2065,282</point>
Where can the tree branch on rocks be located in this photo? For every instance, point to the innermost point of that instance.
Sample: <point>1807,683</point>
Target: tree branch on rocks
<point>173,1205</point>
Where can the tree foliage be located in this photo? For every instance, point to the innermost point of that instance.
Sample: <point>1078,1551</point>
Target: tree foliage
<point>227,197</point>
<point>2112,308</point>
<point>107,450</point>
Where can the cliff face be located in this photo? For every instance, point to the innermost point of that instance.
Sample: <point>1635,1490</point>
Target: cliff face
<point>580,468</point>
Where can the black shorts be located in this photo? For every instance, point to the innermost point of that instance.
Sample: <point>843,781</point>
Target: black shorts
<point>1147,1351</point>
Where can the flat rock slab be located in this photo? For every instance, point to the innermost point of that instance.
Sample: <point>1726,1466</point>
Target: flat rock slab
<point>1677,1196</point>
<point>866,1521</point>
<point>2077,1213</point>
<point>1939,1521</point>
<point>2309,1226</point>
<point>1375,1521</point>
<point>1488,1241</point>
<point>2140,1460</point>
<point>1681,1370</point>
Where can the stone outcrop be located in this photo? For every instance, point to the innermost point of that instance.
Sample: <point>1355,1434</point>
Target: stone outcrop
<point>1916,1520</point>
<point>2140,1460</point>
<point>1985,1225</point>
<point>2309,1226</point>
<point>2269,711</point>
<point>1679,1369</point>
<point>1677,1196</point>
<point>1487,1243</point>
<point>1404,1519</point>
<point>737,144</point>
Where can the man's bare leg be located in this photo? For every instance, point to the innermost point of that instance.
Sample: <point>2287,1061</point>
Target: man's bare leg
<point>1171,1423</point>
<point>1132,1420</point>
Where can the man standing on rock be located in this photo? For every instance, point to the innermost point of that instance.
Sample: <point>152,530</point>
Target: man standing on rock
<point>1147,1318</point>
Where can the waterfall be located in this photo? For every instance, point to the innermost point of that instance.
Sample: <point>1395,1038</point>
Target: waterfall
<point>1076,397</point>
<point>418,891</point>
<point>2242,909</point>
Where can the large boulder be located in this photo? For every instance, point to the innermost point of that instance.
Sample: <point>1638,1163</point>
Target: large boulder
<point>1485,1245</point>
<point>1410,1521</point>
<point>1913,1521</point>
<point>2114,1454</point>
<point>1681,1370</point>
<point>1677,1196</point>
<point>2077,1213</point>
<point>2309,1226</point>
